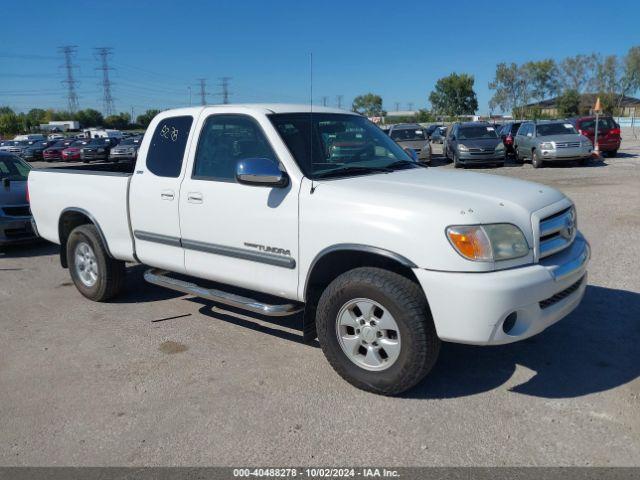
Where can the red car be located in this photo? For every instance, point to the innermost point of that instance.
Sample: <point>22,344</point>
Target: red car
<point>54,152</point>
<point>72,152</point>
<point>608,132</point>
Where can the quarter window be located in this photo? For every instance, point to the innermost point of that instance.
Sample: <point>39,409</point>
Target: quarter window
<point>224,141</point>
<point>168,143</point>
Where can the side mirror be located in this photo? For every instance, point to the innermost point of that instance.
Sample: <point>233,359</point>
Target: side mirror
<point>261,172</point>
<point>412,153</point>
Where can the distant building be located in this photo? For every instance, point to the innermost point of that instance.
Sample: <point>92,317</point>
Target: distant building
<point>60,125</point>
<point>629,107</point>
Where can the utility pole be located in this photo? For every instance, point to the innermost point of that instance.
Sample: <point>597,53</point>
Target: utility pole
<point>133,118</point>
<point>397,104</point>
<point>103,54</point>
<point>189,95</point>
<point>224,85</point>
<point>203,91</point>
<point>410,104</point>
<point>69,52</point>
<point>324,101</point>
<point>339,100</point>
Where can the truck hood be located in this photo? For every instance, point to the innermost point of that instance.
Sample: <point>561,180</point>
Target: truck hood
<point>408,211</point>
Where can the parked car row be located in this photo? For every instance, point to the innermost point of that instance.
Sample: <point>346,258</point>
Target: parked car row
<point>74,149</point>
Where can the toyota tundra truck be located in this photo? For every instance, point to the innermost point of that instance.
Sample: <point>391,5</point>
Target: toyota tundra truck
<point>255,207</point>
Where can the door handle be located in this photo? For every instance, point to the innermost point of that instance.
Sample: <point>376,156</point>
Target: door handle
<point>167,195</point>
<point>194,197</point>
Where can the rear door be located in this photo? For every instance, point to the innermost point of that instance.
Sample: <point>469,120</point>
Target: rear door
<point>155,190</point>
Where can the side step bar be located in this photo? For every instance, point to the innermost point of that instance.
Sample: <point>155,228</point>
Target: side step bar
<point>161,278</point>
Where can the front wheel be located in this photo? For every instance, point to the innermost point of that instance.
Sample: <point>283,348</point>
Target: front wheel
<point>536,161</point>
<point>95,274</point>
<point>375,328</point>
<point>456,161</point>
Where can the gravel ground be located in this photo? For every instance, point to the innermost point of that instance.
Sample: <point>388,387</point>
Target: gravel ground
<point>156,378</point>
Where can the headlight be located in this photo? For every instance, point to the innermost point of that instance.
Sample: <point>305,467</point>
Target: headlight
<point>488,243</point>
<point>101,150</point>
<point>463,148</point>
<point>547,146</point>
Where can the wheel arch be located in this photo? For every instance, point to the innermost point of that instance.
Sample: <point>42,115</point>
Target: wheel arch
<point>338,259</point>
<point>71,218</point>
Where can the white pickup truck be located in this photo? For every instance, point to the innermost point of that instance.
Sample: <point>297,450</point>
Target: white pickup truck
<point>277,209</point>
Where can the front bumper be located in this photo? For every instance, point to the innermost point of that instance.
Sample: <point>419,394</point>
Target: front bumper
<point>472,307</point>
<point>15,230</point>
<point>493,157</point>
<point>566,154</point>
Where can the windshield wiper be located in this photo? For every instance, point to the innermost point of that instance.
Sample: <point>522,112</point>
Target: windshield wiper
<point>404,163</point>
<point>338,172</point>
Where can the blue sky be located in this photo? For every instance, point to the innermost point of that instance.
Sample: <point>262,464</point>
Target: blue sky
<point>395,49</point>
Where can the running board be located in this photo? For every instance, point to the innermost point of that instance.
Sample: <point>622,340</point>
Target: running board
<point>161,278</point>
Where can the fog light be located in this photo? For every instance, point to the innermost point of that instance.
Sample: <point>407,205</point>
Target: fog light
<point>509,322</point>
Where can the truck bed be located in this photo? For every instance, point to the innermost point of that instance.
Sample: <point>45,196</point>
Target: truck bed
<point>99,191</point>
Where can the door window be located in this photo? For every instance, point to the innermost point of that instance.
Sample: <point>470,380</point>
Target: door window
<point>224,141</point>
<point>166,151</point>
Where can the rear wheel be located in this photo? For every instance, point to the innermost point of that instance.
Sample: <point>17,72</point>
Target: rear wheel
<point>96,275</point>
<point>376,330</point>
<point>613,153</point>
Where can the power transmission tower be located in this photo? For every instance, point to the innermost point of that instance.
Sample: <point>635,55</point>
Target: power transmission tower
<point>410,105</point>
<point>324,101</point>
<point>103,54</point>
<point>339,100</point>
<point>397,104</point>
<point>203,90</point>
<point>69,52</point>
<point>224,85</point>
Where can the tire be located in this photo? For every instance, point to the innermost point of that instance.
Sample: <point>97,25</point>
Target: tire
<point>109,273</point>
<point>418,344</point>
<point>613,153</point>
<point>456,161</point>
<point>584,161</point>
<point>535,160</point>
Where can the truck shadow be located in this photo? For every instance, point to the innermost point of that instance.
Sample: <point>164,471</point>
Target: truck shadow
<point>37,248</point>
<point>594,349</point>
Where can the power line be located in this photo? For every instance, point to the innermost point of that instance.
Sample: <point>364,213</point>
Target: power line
<point>224,85</point>
<point>203,90</point>
<point>107,99</point>
<point>69,51</point>
<point>339,100</point>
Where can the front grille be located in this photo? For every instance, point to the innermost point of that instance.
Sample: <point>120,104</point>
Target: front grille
<point>17,211</point>
<point>557,232</point>
<point>560,295</point>
<point>567,144</point>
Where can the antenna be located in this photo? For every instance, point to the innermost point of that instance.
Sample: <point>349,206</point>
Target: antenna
<point>107,100</point>
<point>69,51</point>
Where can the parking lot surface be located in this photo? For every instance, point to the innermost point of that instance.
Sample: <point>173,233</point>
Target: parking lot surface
<point>158,378</point>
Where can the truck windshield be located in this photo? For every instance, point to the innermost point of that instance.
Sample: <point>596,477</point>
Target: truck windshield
<point>338,145</point>
<point>13,168</point>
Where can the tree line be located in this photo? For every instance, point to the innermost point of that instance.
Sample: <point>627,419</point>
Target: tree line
<point>610,77</point>
<point>12,122</point>
<point>517,86</point>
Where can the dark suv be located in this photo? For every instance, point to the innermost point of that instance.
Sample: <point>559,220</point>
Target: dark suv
<point>608,132</point>
<point>507,134</point>
<point>473,143</point>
